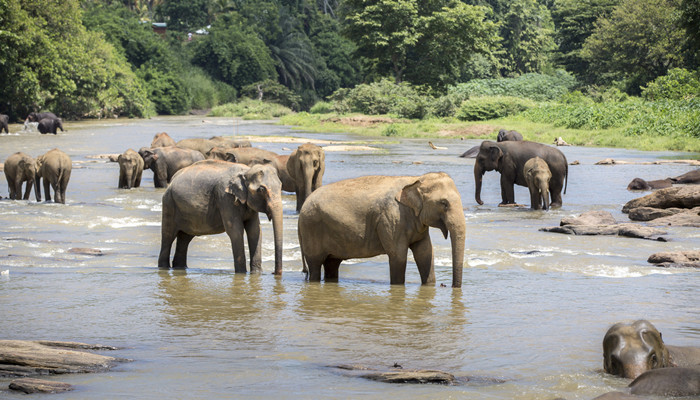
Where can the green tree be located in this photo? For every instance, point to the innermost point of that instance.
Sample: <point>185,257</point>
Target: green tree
<point>690,21</point>
<point>293,55</point>
<point>528,38</point>
<point>574,21</point>
<point>640,41</point>
<point>183,15</point>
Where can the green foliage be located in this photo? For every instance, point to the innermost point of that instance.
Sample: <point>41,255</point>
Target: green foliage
<point>679,84</point>
<point>322,107</point>
<point>527,31</point>
<point>485,108</point>
<point>533,86</point>
<point>203,93</point>
<point>251,109</point>
<point>167,91</point>
<point>183,15</point>
<point>444,106</point>
<point>272,91</point>
<point>383,97</point>
<point>689,20</point>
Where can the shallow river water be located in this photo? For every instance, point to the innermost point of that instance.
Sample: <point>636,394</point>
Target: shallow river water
<point>528,322</point>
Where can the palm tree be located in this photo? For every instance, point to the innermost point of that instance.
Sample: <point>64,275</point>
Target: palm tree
<point>293,55</point>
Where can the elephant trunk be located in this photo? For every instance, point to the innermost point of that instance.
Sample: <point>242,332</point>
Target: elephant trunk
<point>544,194</point>
<point>275,211</point>
<point>478,174</point>
<point>308,182</point>
<point>128,178</point>
<point>457,228</point>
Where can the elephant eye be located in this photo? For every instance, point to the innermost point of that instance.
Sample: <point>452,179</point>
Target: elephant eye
<point>445,203</point>
<point>653,361</point>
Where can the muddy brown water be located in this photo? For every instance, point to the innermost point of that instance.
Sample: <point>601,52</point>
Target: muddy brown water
<point>532,312</point>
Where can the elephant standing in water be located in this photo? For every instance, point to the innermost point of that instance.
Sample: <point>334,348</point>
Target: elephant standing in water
<point>306,166</point>
<point>36,117</point>
<point>20,168</point>
<point>509,159</point>
<point>50,125</point>
<point>55,167</point>
<point>4,123</point>
<point>162,139</point>
<point>537,176</point>
<point>166,161</point>
<point>130,169</point>
<point>505,135</point>
<point>215,196</point>
<point>251,156</point>
<point>367,216</point>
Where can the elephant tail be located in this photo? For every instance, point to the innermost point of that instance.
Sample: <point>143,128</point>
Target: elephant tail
<point>566,177</point>
<point>304,269</point>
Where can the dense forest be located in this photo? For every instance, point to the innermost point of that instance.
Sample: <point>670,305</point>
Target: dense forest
<point>102,58</point>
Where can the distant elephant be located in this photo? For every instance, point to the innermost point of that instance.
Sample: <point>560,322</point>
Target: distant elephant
<point>631,349</point>
<point>130,169</point>
<point>162,139</point>
<point>306,166</point>
<point>641,184</point>
<point>19,168</point>
<point>166,161</point>
<point>222,141</point>
<point>214,196</point>
<point>280,163</point>
<point>50,125</point>
<point>36,117</point>
<point>55,168</point>
<point>200,144</point>
<point>692,177</point>
<point>537,176</point>
<point>4,123</point>
<point>372,215</point>
<point>509,159</point>
<point>505,135</point>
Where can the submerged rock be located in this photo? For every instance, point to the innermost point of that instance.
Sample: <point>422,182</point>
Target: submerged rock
<point>412,376</point>
<point>689,259</point>
<point>32,385</point>
<point>603,223</point>
<point>678,196</point>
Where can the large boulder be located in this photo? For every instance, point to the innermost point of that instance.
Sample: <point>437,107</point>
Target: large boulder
<point>603,223</point>
<point>677,196</point>
<point>27,358</point>
<point>676,259</point>
<point>32,385</point>
<point>590,218</point>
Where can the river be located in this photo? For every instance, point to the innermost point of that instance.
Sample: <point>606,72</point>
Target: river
<point>528,322</point>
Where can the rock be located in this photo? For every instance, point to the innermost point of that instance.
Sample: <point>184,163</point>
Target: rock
<point>650,213</point>
<point>617,396</point>
<point>412,376</point>
<point>688,218</point>
<point>26,358</point>
<point>607,161</point>
<point>31,385</point>
<point>688,259</point>
<point>560,142</point>
<point>590,218</point>
<point>432,146</point>
<point>679,196</point>
<point>575,162</point>
<point>86,251</point>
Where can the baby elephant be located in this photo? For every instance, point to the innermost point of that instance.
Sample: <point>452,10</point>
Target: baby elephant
<point>641,184</point>
<point>50,125</point>
<point>130,169</point>
<point>371,215</point>
<point>537,175</point>
<point>55,167</point>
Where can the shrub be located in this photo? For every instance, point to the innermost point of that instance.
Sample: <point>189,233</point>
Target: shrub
<point>321,107</point>
<point>444,106</point>
<point>383,97</point>
<point>273,91</point>
<point>484,108</point>
<point>250,109</point>
<point>677,85</point>
<point>532,86</point>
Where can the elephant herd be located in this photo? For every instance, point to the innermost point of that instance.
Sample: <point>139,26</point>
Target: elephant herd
<point>54,167</point>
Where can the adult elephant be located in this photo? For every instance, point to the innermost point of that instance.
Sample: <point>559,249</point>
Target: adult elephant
<point>55,168</point>
<point>166,161</point>
<point>632,349</point>
<point>509,159</point>
<point>251,156</point>
<point>130,169</point>
<point>222,141</point>
<point>36,117</point>
<point>367,216</point>
<point>306,166</point>
<point>280,163</point>
<point>20,168</point>
<point>506,135</point>
<point>162,139</point>
<point>201,145</point>
<point>50,125</point>
<point>692,177</point>
<point>537,176</point>
<point>4,123</point>
<point>214,196</point>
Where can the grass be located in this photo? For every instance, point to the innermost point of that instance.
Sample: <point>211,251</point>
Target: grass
<point>250,109</point>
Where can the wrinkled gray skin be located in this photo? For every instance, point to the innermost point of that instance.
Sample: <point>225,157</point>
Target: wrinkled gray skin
<point>280,164</point>
<point>50,125</point>
<point>20,168</point>
<point>692,177</point>
<point>166,161</point>
<point>55,168</point>
<point>215,196</point>
<point>306,166</point>
<point>632,349</point>
<point>641,184</point>
<point>162,139</point>
<point>471,153</point>
<point>199,144</point>
<point>36,117</point>
<point>537,176</point>
<point>509,159</point>
<point>130,169</point>
<point>676,382</point>
<point>367,216</point>
<point>4,123</point>
<point>222,141</point>
<point>251,156</point>
<point>505,135</point>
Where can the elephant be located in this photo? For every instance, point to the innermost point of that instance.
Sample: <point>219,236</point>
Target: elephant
<point>222,141</point>
<point>50,125</point>
<point>166,161</point>
<point>677,382</point>
<point>280,163</point>
<point>692,177</point>
<point>509,159</point>
<point>55,168</point>
<point>472,152</point>
<point>641,184</point>
<point>201,145</point>
<point>19,168</point>
<point>537,176</point>
<point>371,215</point>
<point>4,123</point>
<point>306,166</point>
<point>162,139</point>
<point>36,117</point>
<point>504,135</point>
<point>251,156</point>
<point>215,196</point>
<point>632,349</point>
<point>130,169</point>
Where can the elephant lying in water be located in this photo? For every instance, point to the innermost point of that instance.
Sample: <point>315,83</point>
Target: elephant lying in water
<point>213,196</point>
<point>641,184</point>
<point>367,216</point>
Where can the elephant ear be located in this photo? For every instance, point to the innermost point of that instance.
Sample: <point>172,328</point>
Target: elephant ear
<point>495,153</point>
<point>411,196</point>
<point>237,188</point>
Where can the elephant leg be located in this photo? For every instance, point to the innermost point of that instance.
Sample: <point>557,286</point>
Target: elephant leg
<point>423,254</point>
<point>27,190</point>
<point>555,188</point>
<point>534,198</point>
<point>56,191</point>
<point>234,229</point>
<point>168,232</point>
<point>17,189</point>
<point>300,197</point>
<point>330,268</point>
<point>183,242</point>
<point>507,191</point>
<point>254,233</point>
<point>313,265</point>
<point>137,179</point>
<point>47,190</point>
<point>397,268</point>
